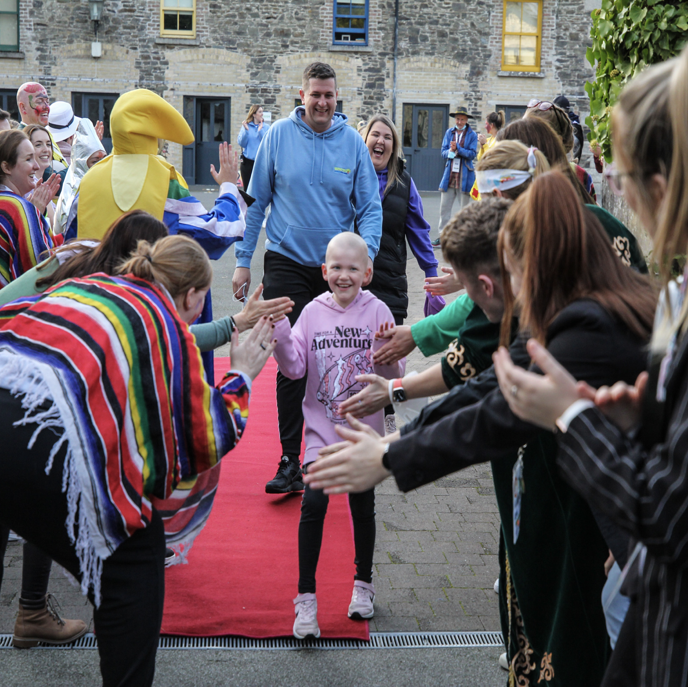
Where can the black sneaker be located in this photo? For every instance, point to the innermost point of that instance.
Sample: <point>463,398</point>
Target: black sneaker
<point>287,479</point>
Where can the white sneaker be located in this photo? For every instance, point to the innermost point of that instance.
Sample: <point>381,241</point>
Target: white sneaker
<point>503,661</point>
<point>13,537</point>
<point>390,424</point>
<point>496,586</point>
<point>362,599</point>
<point>306,622</point>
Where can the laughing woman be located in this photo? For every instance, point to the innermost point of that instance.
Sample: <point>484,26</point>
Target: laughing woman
<point>402,219</point>
<point>24,232</point>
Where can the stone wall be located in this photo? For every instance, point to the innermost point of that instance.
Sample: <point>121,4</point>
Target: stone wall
<point>449,52</point>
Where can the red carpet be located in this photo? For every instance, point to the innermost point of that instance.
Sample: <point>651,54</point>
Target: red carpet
<point>243,572</point>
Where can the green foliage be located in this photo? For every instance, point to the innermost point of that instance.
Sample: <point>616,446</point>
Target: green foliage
<point>628,35</point>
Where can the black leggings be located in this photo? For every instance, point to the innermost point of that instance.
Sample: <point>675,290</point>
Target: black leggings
<point>246,169</point>
<point>313,510</point>
<point>35,572</point>
<point>133,578</point>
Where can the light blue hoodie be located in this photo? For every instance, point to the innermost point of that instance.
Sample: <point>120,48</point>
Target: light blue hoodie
<point>317,185</point>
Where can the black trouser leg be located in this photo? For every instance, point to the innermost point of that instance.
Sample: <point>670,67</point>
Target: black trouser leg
<point>623,667</point>
<point>313,509</point>
<point>35,577</point>
<point>285,277</point>
<point>128,620</point>
<point>246,169</point>
<point>132,582</point>
<point>4,534</point>
<point>362,505</point>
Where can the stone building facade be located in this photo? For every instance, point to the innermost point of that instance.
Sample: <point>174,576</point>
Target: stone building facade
<point>446,52</point>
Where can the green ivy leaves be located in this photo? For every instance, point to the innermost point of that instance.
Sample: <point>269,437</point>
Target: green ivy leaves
<point>628,35</point>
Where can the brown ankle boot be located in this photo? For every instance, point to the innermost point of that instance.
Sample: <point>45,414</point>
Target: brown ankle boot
<point>45,625</point>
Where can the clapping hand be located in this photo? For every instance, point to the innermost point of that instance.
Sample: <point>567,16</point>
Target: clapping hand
<point>441,286</point>
<point>254,309</point>
<point>250,356</point>
<point>229,165</point>
<point>100,130</point>
<point>400,344</point>
<point>45,191</point>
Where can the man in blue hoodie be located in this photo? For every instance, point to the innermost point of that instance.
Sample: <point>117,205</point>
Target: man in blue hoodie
<point>316,174</point>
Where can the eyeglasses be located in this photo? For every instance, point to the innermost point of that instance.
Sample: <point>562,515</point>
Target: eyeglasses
<point>615,179</point>
<point>543,105</point>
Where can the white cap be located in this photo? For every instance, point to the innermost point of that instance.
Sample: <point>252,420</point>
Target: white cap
<point>61,122</point>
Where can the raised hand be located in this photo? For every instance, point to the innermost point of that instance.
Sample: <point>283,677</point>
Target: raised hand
<point>250,356</point>
<point>444,284</point>
<point>400,344</point>
<point>538,399</point>
<point>621,403</point>
<point>254,309</point>
<point>229,165</point>
<point>369,400</point>
<point>100,130</point>
<point>45,191</point>
<point>355,467</point>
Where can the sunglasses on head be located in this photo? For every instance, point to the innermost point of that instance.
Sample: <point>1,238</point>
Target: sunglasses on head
<point>543,105</point>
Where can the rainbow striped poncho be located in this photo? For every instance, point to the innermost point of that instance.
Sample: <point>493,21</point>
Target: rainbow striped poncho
<point>124,382</point>
<point>24,236</point>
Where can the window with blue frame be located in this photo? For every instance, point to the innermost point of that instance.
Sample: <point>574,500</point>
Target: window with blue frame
<point>350,23</point>
<point>9,25</point>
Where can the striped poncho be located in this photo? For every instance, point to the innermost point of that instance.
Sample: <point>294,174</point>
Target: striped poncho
<point>107,361</point>
<point>24,236</point>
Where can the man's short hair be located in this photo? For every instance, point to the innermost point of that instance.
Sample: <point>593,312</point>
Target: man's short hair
<point>469,240</point>
<point>4,115</point>
<point>317,70</point>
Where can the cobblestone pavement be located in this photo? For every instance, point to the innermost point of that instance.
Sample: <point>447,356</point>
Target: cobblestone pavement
<point>436,553</point>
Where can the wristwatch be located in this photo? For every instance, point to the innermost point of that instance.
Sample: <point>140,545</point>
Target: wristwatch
<point>398,391</point>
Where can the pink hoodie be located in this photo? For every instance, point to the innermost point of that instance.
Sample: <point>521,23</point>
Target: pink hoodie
<point>332,345</point>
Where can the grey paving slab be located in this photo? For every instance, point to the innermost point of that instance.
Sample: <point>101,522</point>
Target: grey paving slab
<point>435,558</point>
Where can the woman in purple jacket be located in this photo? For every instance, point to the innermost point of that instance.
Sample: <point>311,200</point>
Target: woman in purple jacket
<point>402,219</point>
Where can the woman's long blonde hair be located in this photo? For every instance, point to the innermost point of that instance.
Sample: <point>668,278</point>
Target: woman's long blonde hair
<point>252,111</point>
<point>397,157</point>
<point>512,155</point>
<point>652,111</point>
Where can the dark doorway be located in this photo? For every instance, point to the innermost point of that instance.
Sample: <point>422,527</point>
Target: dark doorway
<point>209,119</point>
<point>422,132</point>
<point>96,107</point>
<point>8,102</point>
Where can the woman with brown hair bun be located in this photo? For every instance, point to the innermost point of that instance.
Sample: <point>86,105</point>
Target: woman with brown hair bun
<point>108,365</point>
<point>252,131</point>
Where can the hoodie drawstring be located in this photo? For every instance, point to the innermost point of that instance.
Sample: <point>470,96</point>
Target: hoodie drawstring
<point>312,159</point>
<point>322,161</point>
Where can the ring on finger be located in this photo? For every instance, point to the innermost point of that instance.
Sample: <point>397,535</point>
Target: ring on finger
<point>514,391</point>
<point>262,346</point>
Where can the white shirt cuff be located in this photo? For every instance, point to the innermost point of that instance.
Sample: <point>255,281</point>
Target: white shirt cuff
<point>228,187</point>
<point>571,412</point>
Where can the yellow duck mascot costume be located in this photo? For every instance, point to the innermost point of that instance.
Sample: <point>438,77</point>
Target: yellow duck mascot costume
<point>134,176</point>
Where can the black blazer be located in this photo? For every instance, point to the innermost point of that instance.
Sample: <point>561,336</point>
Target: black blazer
<point>645,491</point>
<point>473,423</point>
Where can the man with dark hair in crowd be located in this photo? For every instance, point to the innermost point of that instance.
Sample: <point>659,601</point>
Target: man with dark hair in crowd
<point>563,103</point>
<point>5,120</point>
<point>316,174</point>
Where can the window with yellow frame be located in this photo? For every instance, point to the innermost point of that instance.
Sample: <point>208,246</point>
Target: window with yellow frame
<point>521,36</point>
<point>178,18</point>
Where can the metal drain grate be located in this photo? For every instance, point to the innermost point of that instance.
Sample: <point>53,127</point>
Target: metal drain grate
<point>378,641</point>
